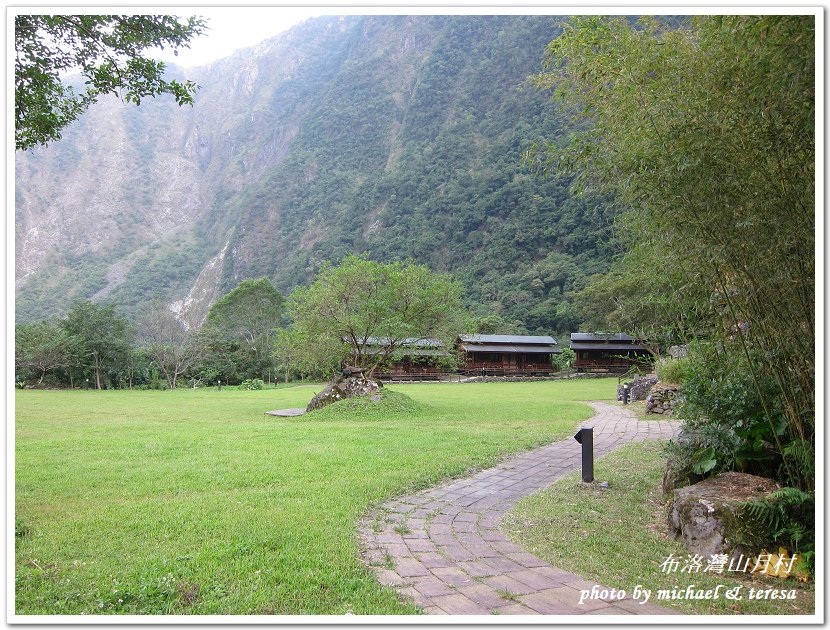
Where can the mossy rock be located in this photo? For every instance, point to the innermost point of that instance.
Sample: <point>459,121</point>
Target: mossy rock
<point>709,516</point>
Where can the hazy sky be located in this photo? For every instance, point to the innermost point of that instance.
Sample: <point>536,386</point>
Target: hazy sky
<point>232,28</point>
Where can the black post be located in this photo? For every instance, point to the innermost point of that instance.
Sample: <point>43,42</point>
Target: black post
<point>625,393</point>
<point>586,438</point>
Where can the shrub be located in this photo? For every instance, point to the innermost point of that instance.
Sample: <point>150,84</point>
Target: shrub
<point>729,424</point>
<point>671,370</point>
<point>256,383</point>
<point>784,517</point>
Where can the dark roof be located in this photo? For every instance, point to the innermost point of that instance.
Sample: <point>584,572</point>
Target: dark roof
<point>508,339</point>
<point>601,337</point>
<point>529,349</point>
<point>607,346</point>
<point>409,342</point>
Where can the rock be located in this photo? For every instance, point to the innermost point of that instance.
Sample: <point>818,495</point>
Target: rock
<point>344,387</point>
<point>637,388</point>
<point>662,399</point>
<point>287,413</point>
<point>706,516</point>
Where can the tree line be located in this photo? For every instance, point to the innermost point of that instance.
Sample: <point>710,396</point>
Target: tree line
<point>359,312</point>
<point>703,131</point>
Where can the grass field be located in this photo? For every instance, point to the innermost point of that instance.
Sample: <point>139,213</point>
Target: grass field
<point>195,502</point>
<point>617,536</point>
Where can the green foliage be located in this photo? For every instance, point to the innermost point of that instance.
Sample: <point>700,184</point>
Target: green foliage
<point>787,517</point>
<point>102,338</point>
<point>372,309</point>
<point>565,359</point>
<point>726,421</point>
<point>671,370</point>
<point>241,326</point>
<point>107,49</point>
<point>42,347</point>
<point>21,529</point>
<point>705,133</point>
<point>252,384</point>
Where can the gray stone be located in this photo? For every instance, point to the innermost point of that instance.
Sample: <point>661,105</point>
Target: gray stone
<point>707,516</point>
<point>344,387</point>
<point>662,399</point>
<point>287,413</point>
<point>638,388</point>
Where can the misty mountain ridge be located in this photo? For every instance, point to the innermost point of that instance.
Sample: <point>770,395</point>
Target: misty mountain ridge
<point>400,136</point>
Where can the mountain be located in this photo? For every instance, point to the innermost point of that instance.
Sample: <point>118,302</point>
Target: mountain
<point>401,136</point>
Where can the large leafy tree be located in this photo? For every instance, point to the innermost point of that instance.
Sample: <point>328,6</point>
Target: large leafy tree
<point>108,51</point>
<point>41,347</point>
<point>368,310</point>
<point>706,132</point>
<point>248,317</point>
<point>103,339</point>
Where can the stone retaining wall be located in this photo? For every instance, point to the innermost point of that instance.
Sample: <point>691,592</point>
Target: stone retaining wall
<point>638,388</point>
<point>662,399</point>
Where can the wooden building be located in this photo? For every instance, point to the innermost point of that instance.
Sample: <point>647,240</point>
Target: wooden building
<point>613,352</point>
<point>416,359</point>
<point>499,355</point>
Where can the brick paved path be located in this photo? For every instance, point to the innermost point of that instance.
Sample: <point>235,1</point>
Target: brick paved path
<point>450,556</point>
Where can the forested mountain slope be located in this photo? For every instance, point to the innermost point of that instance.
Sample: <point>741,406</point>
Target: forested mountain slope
<point>401,136</point>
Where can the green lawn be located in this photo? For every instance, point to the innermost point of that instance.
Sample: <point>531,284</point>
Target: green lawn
<point>196,502</point>
<point>617,536</point>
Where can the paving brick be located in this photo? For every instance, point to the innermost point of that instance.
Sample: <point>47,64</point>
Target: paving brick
<point>526,559</point>
<point>477,569</point>
<point>459,605</point>
<point>508,584</point>
<point>452,576</point>
<point>434,560</point>
<point>546,606</point>
<point>420,545</point>
<point>535,580</point>
<point>483,595</point>
<point>431,586</point>
<point>410,568</point>
<point>458,553</point>
<point>504,565</point>
<point>514,609</point>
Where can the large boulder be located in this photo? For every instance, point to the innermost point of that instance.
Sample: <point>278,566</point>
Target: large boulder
<point>350,383</point>
<point>708,515</point>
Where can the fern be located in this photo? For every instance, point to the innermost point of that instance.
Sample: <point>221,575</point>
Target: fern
<point>786,517</point>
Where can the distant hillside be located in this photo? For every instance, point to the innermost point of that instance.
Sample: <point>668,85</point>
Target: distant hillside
<point>401,136</point>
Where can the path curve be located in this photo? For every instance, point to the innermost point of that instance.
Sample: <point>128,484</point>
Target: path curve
<point>450,556</point>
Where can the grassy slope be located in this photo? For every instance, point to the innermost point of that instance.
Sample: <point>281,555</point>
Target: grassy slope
<point>617,536</point>
<point>196,502</point>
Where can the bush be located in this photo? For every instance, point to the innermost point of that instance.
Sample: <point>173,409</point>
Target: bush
<point>674,371</point>
<point>728,423</point>
<point>256,383</point>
